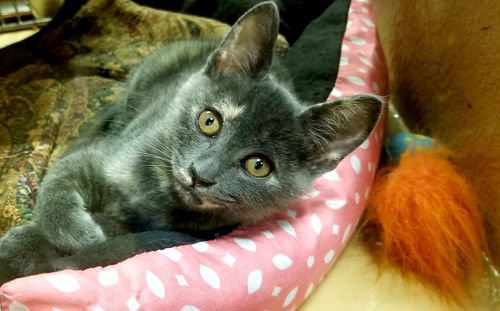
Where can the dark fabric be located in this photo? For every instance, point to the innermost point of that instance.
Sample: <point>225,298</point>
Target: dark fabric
<point>119,248</point>
<point>314,30</point>
<point>313,61</point>
<point>295,14</point>
<point>116,249</point>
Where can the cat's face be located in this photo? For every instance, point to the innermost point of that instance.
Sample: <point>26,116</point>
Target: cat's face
<point>240,146</point>
<point>242,142</point>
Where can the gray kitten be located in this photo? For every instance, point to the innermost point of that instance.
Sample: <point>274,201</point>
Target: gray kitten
<point>205,136</point>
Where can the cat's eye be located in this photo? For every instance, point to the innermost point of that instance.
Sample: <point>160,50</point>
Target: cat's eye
<point>209,122</point>
<point>258,166</point>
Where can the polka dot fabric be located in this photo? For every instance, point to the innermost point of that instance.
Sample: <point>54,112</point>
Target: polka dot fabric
<point>271,266</point>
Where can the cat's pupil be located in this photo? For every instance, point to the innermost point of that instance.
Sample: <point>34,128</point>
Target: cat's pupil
<point>258,164</point>
<point>209,121</point>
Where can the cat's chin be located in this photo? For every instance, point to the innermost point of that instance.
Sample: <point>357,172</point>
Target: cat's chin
<point>195,200</point>
<point>201,202</point>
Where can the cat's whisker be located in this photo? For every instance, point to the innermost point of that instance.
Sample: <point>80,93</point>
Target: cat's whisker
<point>162,152</point>
<point>140,94</point>
<point>160,167</point>
<point>156,166</point>
<point>154,156</point>
<point>164,159</point>
<point>166,156</point>
<point>134,108</point>
<point>116,121</point>
<point>162,144</point>
<point>232,209</point>
<point>294,240</point>
<point>276,236</point>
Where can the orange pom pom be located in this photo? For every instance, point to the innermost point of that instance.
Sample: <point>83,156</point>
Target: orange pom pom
<point>428,221</point>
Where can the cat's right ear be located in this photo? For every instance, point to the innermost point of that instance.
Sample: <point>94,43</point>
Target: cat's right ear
<point>247,50</point>
<point>334,129</point>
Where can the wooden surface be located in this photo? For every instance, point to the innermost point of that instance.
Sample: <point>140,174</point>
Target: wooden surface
<point>444,66</point>
<point>9,38</point>
<point>355,283</point>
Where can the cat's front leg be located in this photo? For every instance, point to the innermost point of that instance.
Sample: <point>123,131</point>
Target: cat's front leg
<point>64,201</point>
<point>23,251</point>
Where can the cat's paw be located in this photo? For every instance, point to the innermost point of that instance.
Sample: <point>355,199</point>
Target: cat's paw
<point>22,249</point>
<point>7,273</point>
<point>75,232</point>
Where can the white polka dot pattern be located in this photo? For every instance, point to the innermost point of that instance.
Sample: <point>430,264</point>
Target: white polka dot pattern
<point>316,224</point>
<point>270,266</point>
<point>254,281</point>
<point>329,256</point>
<point>287,227</point>
<point>63,282</point>
<point>309,290</point>
<point>310,261</point>
<point>172,253</point>
<point>201,247</point>
<point>229,260</point>
<point>282,261</point>
<point>356,164</point>
<point>181,280</point>
<point>333,175</point>
<point>155,285</point>
<point>335,204</point>
<point>291,296</point>
<point>133,304</point>
<point>17,306</point>
<point>107,277</point>
<point>276,291</point>
<point>246,244</point>
<point>210,276</point>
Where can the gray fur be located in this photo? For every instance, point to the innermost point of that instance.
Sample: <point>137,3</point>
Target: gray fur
<point>130,171</point>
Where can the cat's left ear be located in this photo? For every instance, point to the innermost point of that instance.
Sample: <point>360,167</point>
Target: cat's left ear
<point>247,50</point>
<point>335,129</point>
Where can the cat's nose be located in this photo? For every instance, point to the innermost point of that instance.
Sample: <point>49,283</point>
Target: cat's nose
<point>199,181</point>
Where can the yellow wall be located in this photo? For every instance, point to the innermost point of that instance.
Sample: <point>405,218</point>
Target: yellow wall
<point>444,65</point>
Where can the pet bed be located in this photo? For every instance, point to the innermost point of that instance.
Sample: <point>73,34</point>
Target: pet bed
<point>271,266</point>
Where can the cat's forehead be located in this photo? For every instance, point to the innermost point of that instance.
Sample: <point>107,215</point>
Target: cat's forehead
<point>258,102</point>
<point>263,115</point>
<point>229,109</point>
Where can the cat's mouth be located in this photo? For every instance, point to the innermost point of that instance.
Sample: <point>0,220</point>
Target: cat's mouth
<point>194,196</point>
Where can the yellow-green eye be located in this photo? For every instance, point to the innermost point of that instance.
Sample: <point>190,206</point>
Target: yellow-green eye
<point>258,166</point>
<point>209,122</point>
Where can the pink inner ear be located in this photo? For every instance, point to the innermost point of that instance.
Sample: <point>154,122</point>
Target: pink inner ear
<point>243,51</point>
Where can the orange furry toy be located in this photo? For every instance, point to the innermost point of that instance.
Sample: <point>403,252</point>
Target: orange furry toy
<point>427,218</point>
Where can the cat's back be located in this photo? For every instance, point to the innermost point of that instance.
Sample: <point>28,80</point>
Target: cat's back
<point>159,76</point>
<point>171,64</point>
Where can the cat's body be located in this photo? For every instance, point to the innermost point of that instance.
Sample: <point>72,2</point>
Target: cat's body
<point>206,136</point>
<point>132,146</point>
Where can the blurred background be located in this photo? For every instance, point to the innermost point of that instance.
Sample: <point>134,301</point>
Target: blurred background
<point>20,19</point>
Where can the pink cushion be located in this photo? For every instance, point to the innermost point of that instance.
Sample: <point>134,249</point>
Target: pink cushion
<point>274,265</point>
